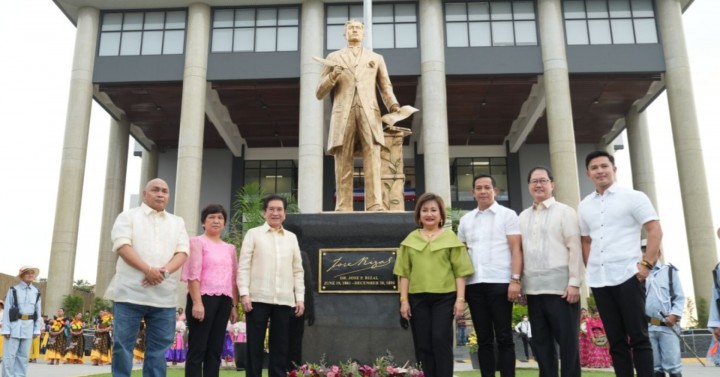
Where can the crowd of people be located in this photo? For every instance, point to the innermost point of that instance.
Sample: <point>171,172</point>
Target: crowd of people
<point>496,259</point>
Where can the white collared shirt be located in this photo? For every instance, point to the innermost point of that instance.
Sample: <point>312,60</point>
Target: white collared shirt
<point>552,254</point>
<point>613,222</point>
<point>156,237</point>
<point>270,267</point>
<point>485,234</point>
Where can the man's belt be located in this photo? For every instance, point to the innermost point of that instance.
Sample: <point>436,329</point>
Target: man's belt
<point>656,321</point>
<point>26,316</point>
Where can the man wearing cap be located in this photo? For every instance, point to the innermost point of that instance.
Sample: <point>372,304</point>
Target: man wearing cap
<point>19,331</point>
<point>152,244</point>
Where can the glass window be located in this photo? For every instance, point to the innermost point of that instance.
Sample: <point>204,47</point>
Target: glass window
<point>383,36</point>
<point>619,9</point>
<point>480,34</point>
<point>152,43</point>
<point>642,8</point>
<point>490,23</point>
<point>382,13</point>
<point>287,39</point>
<point>337,14</point>
<point>138,33</point>
<point>609,21</point>
<point>288,16</point>
<point>255,29</point>
<point>501,10</point>
<point>406,36</point>
<point>457,35</point>
<point>109,44</point>
<point>112,22</point>
<point>394,25</point>
<point>577,33</point>
<point>265,39</point>
<point>597,9</point>
<point>455,12</point>
<point>222,41</point>
<point>622,31</point>
<point>523,10</point>
<point>599,32</point>
<point>502,33</point>
<point>244,40</point>
<point>175,20</point>
<point>525,33</point>
<point>174,42</point>
<point>133,21</point>
<point>244,18</point>
<point>405,13</point>
<point>335,38</point>
<point>266,17</point>
<point>130,44</point>
<point>273,176</point>
<point>479,11</point>
<point>154,21</point>
<point>574,9</point>
<point>465,169</point>
<point>645,31</point>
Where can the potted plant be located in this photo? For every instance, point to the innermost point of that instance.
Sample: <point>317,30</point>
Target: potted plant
<point>472,346</point>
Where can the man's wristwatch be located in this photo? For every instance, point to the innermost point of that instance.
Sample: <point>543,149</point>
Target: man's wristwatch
<point>166,274</point>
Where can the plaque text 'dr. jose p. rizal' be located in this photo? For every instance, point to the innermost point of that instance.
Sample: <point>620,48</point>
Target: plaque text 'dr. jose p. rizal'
<point>357,271</point>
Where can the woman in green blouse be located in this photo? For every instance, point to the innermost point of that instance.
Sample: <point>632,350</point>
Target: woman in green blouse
<point>432,265</point>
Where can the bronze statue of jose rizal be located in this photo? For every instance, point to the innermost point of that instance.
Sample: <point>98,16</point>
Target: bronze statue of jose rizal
<point>355,124</point>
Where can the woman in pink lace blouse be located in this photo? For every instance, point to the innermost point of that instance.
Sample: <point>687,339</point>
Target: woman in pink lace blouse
<point>210,272</point>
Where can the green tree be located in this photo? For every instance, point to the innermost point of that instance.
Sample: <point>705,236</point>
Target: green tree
<point>702,313</point>
<point>72,304</point>
<point>83,285</point>
<point>247,212</point>
<point>98,304</point>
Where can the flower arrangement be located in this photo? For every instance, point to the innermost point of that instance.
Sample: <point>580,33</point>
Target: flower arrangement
<point>76,325</point>
<point>106,320</point>
<point>472,343</point>
<point>57,324</point>
<point>383,367</point>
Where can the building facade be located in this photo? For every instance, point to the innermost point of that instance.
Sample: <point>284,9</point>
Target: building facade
<point>218,94</point>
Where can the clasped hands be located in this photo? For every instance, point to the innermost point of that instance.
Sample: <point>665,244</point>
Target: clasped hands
<point>154,276</point>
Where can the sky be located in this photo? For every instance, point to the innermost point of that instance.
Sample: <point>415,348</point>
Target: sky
<point>37,42</point>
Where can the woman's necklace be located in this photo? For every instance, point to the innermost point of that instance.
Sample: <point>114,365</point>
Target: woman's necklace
<point>430,235</point>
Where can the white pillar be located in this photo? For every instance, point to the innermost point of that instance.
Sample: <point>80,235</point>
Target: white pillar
<point>115,175</point>
<point>148,170</point>
<point>192,117</point>
<point>561,134</point>
<point>688,149</point>
<point>72,167</point>
<point>434,99</point>
<point>310,146</point>
<point>641,161</point>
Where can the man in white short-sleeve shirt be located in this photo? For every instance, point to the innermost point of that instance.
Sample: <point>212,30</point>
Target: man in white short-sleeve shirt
<point>492,235</point>
<point>152,244</point>
<point>611,220</point>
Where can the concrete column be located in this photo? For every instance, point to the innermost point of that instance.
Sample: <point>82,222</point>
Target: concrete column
<point>688,149</point>
<point>115,174</point>
<point>310,146</point>
<point>638,135</point>
<point>561,135</point>
<point>434,99</point>
<point>192,117</point>
<point>148,170</point>
<point>72,167</point>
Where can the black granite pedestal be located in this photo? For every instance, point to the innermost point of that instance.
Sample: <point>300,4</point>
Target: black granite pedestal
<point>353,326</point>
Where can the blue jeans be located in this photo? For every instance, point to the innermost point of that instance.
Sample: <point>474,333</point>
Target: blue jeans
<point>159,336</point>
<point>666,350</point>
<point>15,359</point>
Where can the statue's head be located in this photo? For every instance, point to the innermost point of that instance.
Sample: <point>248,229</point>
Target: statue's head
<point>354,30</point>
